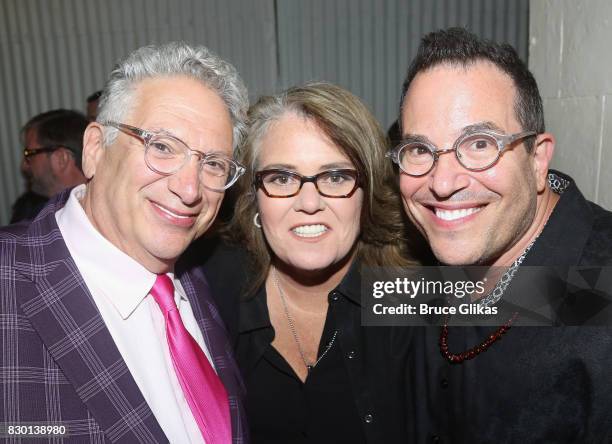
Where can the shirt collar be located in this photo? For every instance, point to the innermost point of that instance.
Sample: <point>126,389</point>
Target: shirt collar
<point>350,285</point>
<point>554,246</point>
<point>125,281</point>
<point>254,313</point>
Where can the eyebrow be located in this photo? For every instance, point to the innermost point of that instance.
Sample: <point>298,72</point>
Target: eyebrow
<point>336,166</point>
<point>212,150</point>
<point>327,166</point>
<point>279,166</point>
<point>486,125</point>
<point>415,138</point>
<point>480,126</point>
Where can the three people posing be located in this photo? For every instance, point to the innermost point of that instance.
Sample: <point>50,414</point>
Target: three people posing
<point>102,327</point>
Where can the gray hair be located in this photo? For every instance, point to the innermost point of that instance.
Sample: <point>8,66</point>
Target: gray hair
<point>175,58</point>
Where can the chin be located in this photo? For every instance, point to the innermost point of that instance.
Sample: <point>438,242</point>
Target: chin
<point>167,249</point>
<point>454,259</point>
<point>311,264</point>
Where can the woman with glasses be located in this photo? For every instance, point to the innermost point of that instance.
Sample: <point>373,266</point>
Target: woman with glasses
<point>317,203</point>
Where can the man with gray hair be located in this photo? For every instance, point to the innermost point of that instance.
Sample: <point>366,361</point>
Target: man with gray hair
<point>103,340</point>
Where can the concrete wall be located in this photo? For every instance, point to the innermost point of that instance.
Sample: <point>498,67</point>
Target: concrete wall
<point>570,54</point>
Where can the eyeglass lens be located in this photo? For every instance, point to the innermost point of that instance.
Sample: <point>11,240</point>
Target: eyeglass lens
<point>476,151</point>
<point>167,155</point>
<point>331,183</point>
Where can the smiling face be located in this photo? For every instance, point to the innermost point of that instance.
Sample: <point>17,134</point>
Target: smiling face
<point>151,217</point>
<point>306,232</point>
<point>470,217</point>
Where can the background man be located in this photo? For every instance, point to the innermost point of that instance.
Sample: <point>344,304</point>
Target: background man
<point>53,144</point>
<point>92,105</point>
<point>475,182</point>
<point>101,334</point>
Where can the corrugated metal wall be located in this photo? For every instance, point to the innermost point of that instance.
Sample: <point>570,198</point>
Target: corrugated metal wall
<point>366,45</point>
<point>54,53</point>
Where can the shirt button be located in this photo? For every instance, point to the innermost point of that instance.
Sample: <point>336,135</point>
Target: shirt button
<point>444,383</point>
<point>351,354</point>
<point>368,418</point>
<point>334,296</point>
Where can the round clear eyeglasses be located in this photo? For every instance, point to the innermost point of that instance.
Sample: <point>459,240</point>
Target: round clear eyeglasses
<point>166,154</point>
<point>475,151</point>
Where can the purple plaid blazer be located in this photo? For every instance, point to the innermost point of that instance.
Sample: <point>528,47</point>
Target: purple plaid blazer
<point>59,363</point>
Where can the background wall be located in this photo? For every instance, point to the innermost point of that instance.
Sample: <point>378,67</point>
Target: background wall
<point>54,53</point>
<point>569,53</point>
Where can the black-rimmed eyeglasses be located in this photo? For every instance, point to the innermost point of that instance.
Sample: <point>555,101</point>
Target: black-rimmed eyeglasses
<point>283,183</point>
<point>29,152</point>
<point>475,151</point>
<point>166,154</point>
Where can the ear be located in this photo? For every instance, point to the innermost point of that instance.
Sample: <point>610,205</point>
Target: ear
<point>93,149</point>
<point>543,149</point>
<point>60,159</point>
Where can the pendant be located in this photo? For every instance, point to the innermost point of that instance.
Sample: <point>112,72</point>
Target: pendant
<point>309,368</point>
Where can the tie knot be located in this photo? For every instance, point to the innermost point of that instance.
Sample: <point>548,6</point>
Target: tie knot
<point>163,293</point>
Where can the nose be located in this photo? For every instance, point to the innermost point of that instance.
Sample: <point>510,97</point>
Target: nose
<point>308,199</point>
<point>186,183</point>
<point>448,176</point>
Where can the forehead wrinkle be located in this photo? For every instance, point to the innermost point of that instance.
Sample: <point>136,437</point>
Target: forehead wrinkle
<point>157,107</point>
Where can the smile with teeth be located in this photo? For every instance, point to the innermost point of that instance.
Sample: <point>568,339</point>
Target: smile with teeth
<point>310,230</point>
<point>455,214</point>
<point>170,213</point>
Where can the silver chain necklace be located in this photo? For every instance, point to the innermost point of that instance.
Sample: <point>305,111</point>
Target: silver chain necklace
<point>309,366</point>
<point>496,294</point>
<point>558,185</point>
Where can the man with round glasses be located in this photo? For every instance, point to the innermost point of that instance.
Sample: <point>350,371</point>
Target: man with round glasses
<point>105,338</point>
<point>474,178</point>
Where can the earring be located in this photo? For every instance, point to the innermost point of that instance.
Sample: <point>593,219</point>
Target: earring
<point>257,220</point>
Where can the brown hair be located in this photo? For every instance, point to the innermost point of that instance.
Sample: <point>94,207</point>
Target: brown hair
<point>349,124</point>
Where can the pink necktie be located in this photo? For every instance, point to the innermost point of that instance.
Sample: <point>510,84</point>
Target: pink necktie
<point>202,387</point>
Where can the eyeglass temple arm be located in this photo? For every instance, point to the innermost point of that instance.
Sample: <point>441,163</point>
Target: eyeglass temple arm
<point>129,128</point>
<point>514,137</point>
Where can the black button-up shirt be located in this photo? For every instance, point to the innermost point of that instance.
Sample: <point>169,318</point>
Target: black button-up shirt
<point>356,393</point>
<point>536,384</point>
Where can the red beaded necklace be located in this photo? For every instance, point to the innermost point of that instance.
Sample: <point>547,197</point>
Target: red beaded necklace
<point>458,358</point>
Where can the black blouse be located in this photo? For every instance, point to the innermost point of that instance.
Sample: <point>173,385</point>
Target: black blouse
<point>356,393</point>
<point>283,409</point>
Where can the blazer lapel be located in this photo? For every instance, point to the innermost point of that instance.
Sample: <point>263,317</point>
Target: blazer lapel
<point>217,340</point>
<point>54,297</point>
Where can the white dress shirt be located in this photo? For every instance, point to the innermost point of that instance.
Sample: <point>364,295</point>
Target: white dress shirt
<point>120,288</point>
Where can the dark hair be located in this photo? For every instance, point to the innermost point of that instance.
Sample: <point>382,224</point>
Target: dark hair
<point>457,46</point>
<point>61,127</point>
<point>95,96</point>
